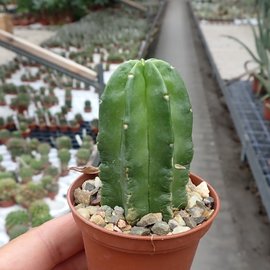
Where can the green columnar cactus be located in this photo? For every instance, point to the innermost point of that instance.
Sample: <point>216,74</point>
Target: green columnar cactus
<point>145,139</point>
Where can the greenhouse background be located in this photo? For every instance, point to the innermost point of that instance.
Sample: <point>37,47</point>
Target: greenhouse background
<point>58,56</point>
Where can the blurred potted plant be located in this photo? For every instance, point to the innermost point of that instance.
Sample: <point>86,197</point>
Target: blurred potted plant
<point>83,156</point>
<point>16,147</point>
<point>25,173</point>
<point>52,171</point>
<point>37,165</point>
<point>8,188</point>
<point>28,193</point>
<point>50,185</point>
<point>39,212</point>
<point>64,158</point>
<point>17,223</point>
<point>79,118</point>
<point>4,136</point>
<point>44,150</point>
<point>2,98</point>
<point>87,106</point>
<point>24,129</point>
<point>74,126</point>
<point>63,142</point>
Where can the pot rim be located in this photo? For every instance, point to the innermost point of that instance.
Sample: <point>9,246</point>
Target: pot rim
<point>198,228</point>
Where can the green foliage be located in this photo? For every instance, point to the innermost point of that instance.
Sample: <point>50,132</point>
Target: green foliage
<point>26,174</point>
<point>51,171</point>
<point>17,230</point>
<point>33,144</point>
<point>38,207</point>
<point>39,212</point>
<point>63,142</point>
<point>64,156</point>
<point>29,193</point>
<point>4,134</point>
<point>40,219</point>
<point>36,165</point>
<point>49,183</point>
<point>19,217</point>
<point>17,147</point>
<point>8,188</point>
<point>145,139</point>
<point>83,156</point>
<point>6,174</point>
<point>44,149</point>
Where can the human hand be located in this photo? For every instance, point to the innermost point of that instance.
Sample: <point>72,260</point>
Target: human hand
<point>57,245</point>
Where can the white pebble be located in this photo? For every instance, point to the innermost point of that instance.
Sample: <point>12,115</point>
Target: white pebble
<point>98,183</point>
<point>179,220</point>
<point>203,189</point>
<point>84,212</point>
<point>180,229</point>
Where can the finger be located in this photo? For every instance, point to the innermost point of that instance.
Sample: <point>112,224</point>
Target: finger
<point>77,262</point>
<point>43,247</point>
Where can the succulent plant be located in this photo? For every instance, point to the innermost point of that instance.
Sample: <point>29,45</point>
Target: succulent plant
<point>17,230</point>
<point>2,122</point>
<point>44,149</point>
<point>29,193</point>
<point>87,106</point>
<point>6,174</point>
<point>14,219</point>
<point>88,143</point>
<point>4,135</point>
<point>63,142</point>
<point>37,165</point>
<point>26,174</point>
<point>33,144</point>
<point>40,219</point>
<point>79,117</point>
<point>39,212</point>
<point>52,171</point>
<point>38,207</point>
<point>16,147</point>
<point>145,142</point>
<point>50,184</point>
<point>83,156</point>
<point>8,188</point>
<point>64,157</point>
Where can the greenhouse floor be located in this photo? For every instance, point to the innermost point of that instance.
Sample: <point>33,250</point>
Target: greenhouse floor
<point>239,237</point>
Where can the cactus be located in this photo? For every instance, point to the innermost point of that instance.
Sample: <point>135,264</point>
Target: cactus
<point>19,217</point>
<point>29,193</point>
<point>83,156</point>
<point>17,230</point>
<point>39,212</point>
<point>145,142</point>
<point>63,142</point>
<point>8,188</point>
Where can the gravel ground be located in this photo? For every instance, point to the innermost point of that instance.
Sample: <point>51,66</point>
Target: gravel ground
<point>247,212</point>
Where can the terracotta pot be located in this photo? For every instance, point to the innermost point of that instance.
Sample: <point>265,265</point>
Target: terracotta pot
<point>266,109</point>
<point>7,203</point>
<point>256,86</point>
<point>116,251</point>
<point>51,195</point>
<point>75,129</point>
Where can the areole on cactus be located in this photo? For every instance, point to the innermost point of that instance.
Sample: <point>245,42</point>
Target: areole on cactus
<point>145,139</point>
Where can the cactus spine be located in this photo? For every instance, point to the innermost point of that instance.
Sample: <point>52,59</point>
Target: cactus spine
<point>145,141</point>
